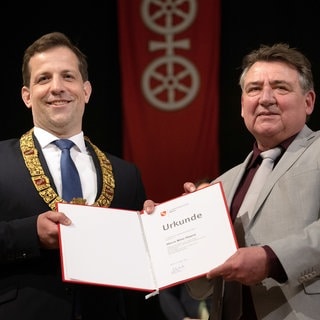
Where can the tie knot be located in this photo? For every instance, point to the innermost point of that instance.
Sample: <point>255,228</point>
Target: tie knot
<point>63,144</point>
<point>271,153</point>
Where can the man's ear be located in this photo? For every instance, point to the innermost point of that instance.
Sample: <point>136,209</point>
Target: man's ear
<point>25,94</point>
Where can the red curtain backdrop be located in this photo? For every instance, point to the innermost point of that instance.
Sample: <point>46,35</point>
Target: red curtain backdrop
<point>169,56</point>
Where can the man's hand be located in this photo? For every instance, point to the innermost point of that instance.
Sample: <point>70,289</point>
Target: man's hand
<point>189,187</point>
<point>47,228</point>
<point>248,266</point>
<point>149,206</point>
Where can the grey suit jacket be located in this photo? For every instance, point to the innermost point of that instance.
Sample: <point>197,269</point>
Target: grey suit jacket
<point>286,218</point>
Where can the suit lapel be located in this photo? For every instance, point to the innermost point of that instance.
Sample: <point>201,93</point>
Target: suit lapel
<point>292,154</point>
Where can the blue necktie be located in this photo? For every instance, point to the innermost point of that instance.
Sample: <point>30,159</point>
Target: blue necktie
<point>71,185</point>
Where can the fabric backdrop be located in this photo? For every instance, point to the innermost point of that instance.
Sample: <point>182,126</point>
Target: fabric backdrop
<point>169,60</point>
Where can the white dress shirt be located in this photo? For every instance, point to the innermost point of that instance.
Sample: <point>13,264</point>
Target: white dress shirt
<point>79,155</point>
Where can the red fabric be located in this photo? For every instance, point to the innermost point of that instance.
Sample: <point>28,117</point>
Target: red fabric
<point>169,57</point>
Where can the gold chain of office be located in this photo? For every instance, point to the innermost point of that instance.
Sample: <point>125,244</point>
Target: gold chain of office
<point>42,182</point>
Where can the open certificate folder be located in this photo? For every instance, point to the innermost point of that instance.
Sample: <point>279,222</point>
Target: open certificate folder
<point>181,240</point>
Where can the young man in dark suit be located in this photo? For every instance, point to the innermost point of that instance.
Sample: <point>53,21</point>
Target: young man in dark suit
<point>56,89</point>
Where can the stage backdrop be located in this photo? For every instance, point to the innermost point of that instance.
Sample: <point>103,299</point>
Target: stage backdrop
<point>169,59</point>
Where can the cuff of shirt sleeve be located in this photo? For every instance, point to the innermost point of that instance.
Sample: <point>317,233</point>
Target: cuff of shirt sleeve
<point>276,270</point>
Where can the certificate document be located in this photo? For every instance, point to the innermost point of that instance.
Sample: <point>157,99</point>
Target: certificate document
<point>181,240</point>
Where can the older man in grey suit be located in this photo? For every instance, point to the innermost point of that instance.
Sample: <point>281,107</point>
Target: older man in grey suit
<point>274,275</point>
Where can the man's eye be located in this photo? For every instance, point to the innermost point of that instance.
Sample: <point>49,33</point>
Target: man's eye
<point>42,78</point>
<point>253,90</point>
<point>68,76</point>
<point>282,90</point>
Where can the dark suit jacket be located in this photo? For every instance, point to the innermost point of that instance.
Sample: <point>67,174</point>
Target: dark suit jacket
<point>31,286</point>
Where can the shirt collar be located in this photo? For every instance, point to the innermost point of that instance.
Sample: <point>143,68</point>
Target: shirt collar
<point>256,152</point>
<point>45,138</point>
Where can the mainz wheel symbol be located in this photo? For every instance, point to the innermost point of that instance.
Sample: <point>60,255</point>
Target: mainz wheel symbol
<point>168,16</point>
<point>170,83</point>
